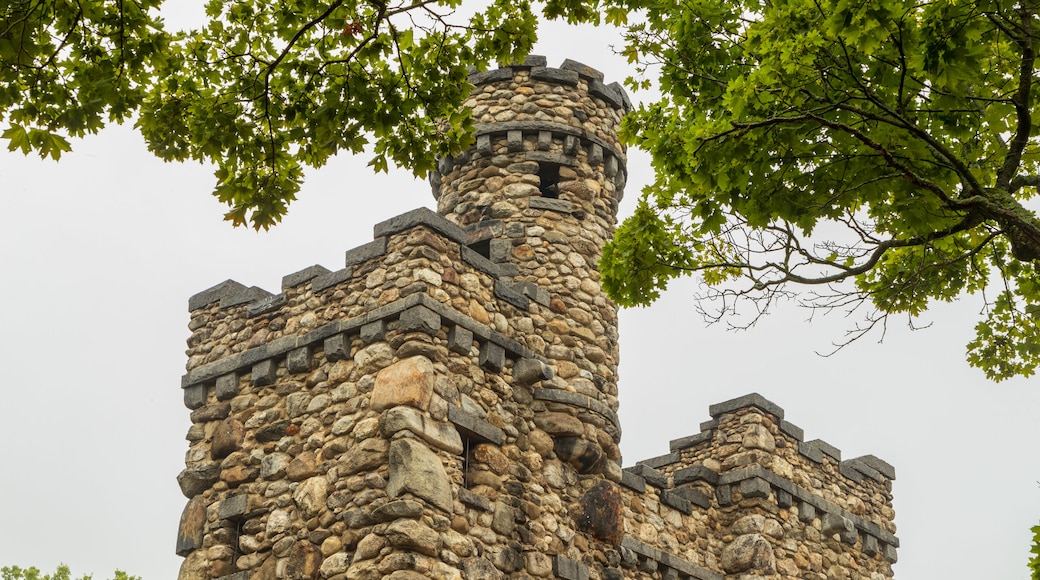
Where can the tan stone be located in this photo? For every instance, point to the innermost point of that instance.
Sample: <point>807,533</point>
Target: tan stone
<point>407,382</point>
<point>758,437</point>
<point>559,424</point>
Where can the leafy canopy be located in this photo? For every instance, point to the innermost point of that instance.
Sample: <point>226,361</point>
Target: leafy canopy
<point>882,154</point>
<point>62,573</point>
<point>264,89</point>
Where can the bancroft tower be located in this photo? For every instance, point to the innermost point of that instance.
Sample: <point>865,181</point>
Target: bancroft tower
<point>445,404</point>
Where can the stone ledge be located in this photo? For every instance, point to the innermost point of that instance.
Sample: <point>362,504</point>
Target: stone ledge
<point>776,481</point>
<point>689,441</point>
<point>649,475</point>
<point>283,345</point>
<point>421,216</point>
<point>661,460</point>
<point>583,401</point>
<point>474,426</point>
<point>569,569</point>
<point>365,252</point>
<point>749,400</point>
<point>304,275</point>
<point>214,294</point>
<point>535,127</point>
<point>669,560</point>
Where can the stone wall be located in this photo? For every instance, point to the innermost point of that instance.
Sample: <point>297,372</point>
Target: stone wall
<point>444,405</point>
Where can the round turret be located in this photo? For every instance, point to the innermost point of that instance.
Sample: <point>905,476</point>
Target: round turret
<point>538,194</point>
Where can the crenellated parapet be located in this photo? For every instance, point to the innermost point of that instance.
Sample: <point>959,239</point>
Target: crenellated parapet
<point>790,508</point>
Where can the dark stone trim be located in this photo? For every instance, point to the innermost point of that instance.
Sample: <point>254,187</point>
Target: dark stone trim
<point>281,346</point>
<point>421,216</point>
<point>633,481</point>
<point>689,441</point>
<point>266,305</point>
<point>807,497</point>
<point>650,475</point>
<point>793,430</point>
<point>749,400</point>
<point>475,500</point>
<point>475,427</point>
<point>251,294</point>
<point>365,252</point>
<point>661,460</point>
<point>304,275</point>
<point>669,560</point>
<point>695,473</point>
<point>326,281</point>
<point>582,401</point>
<point>214,294</point>
<point>694,496</point>
<point>569,569</point>
<point>676,501</point>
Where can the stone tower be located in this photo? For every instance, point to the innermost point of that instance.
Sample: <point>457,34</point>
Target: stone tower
<point>444,405</point>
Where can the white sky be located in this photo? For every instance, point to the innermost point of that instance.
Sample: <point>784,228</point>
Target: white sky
<point>100,252</point>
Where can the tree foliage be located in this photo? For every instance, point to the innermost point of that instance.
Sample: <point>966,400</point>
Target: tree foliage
<point>878,155</point>
<point>263,89</point>
<point>62,573</point>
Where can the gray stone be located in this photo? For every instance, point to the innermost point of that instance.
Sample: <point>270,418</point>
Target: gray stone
<point>273,466</point>
<point>695,473</point>
<point>751,400</point>
<point>198,478</point>
<point>724,495</point>
<point>806,512</point>
<point>420,217</point>
<point>479,568</point>
<point>417,470</point>
<point>233,507</point>
<point>475,427</point>
<point>676,501</point>
<point>492,357</point>
<point>474,500</point>
<point>398,509</point>
<point>304,275</point>
<point>754,488</point>
<point>441,435</point>
<point>337,347</point>
<point>412,535</point>
<point>214,294</point>
<point>870,546</point>
<point>266,305</point>
<point>528,371</point>
<point>652,476</point>
<point>748,553</point>
<point>192,528</point>
<point>460,340</point>
<point>503,519</point>
<point>264,372</point>
<point>881,466</point>
<point>582,69</point>
<point>569,569</point>
<point>554,75</point>
<point>368,454</point>
<point>689,441</point>
<point>888,552</point>
<point>661,460</point>
<point>633,481</point>
<point>373,331</point>
<point>551,204</point>
<point>420,319</point>
<point>694,496</point>
<point>214,412</point>
<point>510,294</point>
<point>835,524</point>
<point>514,141</point>
<point>299,360</point>
<point>246,296</point>
<point>309,496</point>
<point>326,281</point>
<point>195,396</point>
<point>227,387</point>
<point>500,250</point>
<point>827,449</point>
<point>473,258</point>
<point>784,499</point>
<point>365,252</point>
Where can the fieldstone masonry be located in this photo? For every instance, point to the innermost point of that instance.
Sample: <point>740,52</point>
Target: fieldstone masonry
<point>444,405</point>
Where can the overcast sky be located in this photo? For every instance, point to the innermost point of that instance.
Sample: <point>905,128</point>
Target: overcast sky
<point>100,252</point>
